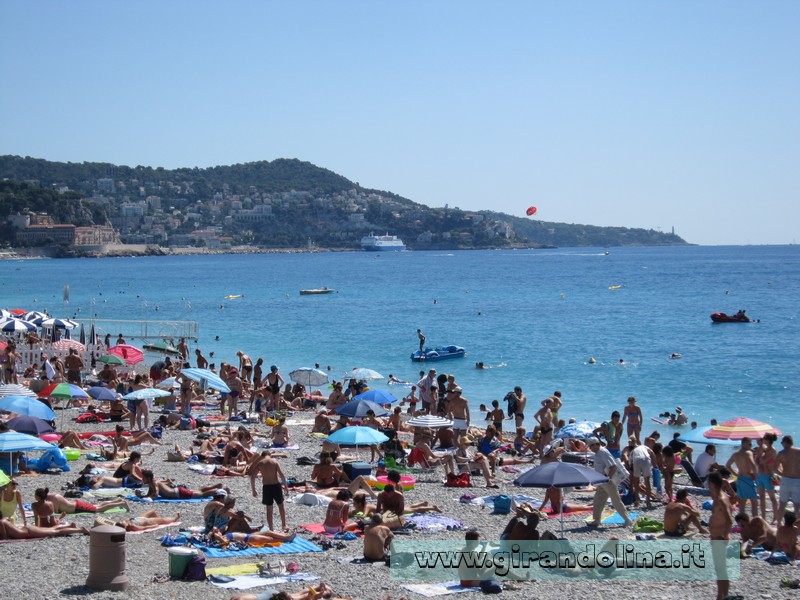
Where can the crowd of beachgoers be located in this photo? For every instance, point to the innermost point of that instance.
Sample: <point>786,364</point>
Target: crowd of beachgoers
<point>246,458</point>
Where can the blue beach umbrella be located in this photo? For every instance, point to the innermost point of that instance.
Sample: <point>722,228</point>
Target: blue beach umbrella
<point>146,393</point>
<point>359,408</point>
<point>13,441</point>
<point>102,393</point>
<point>29,425</point>
<point>577,431</point>
<point>59,323</point>
<point>206,379</point>
<point>560,475</point>
<point>357,436</point>
<point>17,326</point>
<point>696,436</point>
<point>376,396</point>
<point>28,406</point>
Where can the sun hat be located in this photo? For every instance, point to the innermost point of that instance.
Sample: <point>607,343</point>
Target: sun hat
<point>592,441</point>
<point>220,493</point>
<point>4,479</point>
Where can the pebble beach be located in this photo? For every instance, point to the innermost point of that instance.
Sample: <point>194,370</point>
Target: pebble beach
<point>59,567</point>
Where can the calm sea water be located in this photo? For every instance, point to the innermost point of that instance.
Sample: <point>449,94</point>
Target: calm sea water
<point>542,313</point>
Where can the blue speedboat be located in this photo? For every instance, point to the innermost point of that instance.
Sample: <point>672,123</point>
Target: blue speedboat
<point>438,353</point>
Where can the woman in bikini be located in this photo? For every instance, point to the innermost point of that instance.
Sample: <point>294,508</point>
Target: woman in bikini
<point>144,522</point>
<point>9,531</point>
<point>261,538</point>
<point>633,413</point>
<point>11,499</point>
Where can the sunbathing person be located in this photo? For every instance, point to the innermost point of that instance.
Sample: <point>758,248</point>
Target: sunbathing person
<point>430,458</point>
<point>72,506</point>
<point>469,461</point>
<point>786,538</point>
<point>70,439</point>
<point>329,476</point>
<point>261,538</point>
<point>679,515</point>
<point>122,442</point>
<point>144,522</point>
<point>415,507</point>
<point>755,532</point>
<point>95,482</point>
<point>553,497</point>
<point>321,590</point>
<point>9,531</point>
<point>163,488</point>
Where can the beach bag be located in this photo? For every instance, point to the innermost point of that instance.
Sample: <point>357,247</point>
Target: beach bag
<point>87,418</point>
<point>502,505</point>
<point>621,474</point>
<point>272,569</point>
<point>196,569</point>
<point>461,480</point>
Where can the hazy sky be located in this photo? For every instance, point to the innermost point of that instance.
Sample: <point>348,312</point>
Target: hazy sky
<point>641,114</point>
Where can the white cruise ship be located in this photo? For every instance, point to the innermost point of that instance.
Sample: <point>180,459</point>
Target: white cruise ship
<point>382,242</point>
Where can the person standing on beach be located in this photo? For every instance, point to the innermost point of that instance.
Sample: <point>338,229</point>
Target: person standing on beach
<point>459,412</point>
<point>611,432</point>
<point>746,472</point>
<point>428,391</point>
<point>519,406</point>
<point>719,525</point>
<point>605,464</point>
<point>235,383</point>
<point>273,486</point>
<point>633,414</point>
<point>202,363</point>
<point>788,465</point>
<point>183,348</point>
<point>421,337</point>
<point>245,366</point>
<point>544,417</point>
<point>765,456</point>
<point>74,365</point>
<point>272,387</point>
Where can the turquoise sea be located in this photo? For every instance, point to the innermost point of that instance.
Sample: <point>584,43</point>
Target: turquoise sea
<point>543,313</point>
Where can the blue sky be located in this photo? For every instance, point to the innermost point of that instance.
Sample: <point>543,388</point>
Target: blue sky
<point>640,114</point>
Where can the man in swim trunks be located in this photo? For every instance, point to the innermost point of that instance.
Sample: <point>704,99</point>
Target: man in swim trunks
<point>421,337</point>
<point>521,401</point>
<point>74,364</point>
<point>273,486</point>
<point>788,466</point>
<point>459,412</point>
<point>377,539</point>
<point>719,526</point>
<point>544,416</point>
<point>679,515</point>
<point>745,472</point>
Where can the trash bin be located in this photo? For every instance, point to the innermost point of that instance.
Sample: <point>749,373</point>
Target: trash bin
<point>107,559</point>
<point>179,559</point>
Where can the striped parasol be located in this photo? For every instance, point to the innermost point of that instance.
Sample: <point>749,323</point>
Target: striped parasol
<point>130,354</point>
<point>67,344</point>
<point>740,427</point>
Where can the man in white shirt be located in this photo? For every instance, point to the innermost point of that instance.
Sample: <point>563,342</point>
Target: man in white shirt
<point>605,464</point>
<point>706,462</point>
<point>428,392</point>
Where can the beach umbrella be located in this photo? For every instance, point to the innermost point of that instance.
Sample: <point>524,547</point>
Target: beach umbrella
<point>206,379</point>
<point>92,335</point>
<point>359,408</point>
<point>15,389</point>
<point>376,396</point>
<point>560,475</point>
<point>25,405</point>
<point>738,428</point>
<point>146,393</point>
<point>168,383</point>
<point>102,393</point>
<point>309,377</point>
<point>29,425</point>
<point>59,324</point>
<point>429,421</point>
<point>17,326</point>
<point>130,354</point>
<point>63,390</point>
<point>13,441</point>
<point>67,344</point>
<point>4,314</point>
<point>356,435</point>
<point>162,348</point>
<point>365,374</point>
<point>111,359</point>
<point>577,431</point>
<point>17,312</point>
<point>697,436</point>
<point>82,336</point>
<point>35,314</point>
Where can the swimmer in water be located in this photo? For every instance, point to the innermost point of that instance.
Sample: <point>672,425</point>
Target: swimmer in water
<point>674,355</point>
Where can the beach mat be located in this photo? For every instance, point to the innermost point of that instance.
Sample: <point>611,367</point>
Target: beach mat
<point>431,522</point>
<point>240,569</point>
<point>246,582</point>
<point>431,590</point>
<point>298,546</point>
<point>488,501</point>
<point>107,492</point>
<point>555,515</point>
<point>136,498</point>
<point>616,519</point>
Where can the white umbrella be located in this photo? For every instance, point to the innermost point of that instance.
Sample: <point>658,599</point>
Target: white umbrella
<point>308,376</point>
<point>15,389</point>
<point>429,421</point>
<point>365,374</point>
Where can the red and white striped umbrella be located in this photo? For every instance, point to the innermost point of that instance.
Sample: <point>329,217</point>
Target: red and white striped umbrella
<point>130,354</point>
<point>65,344</point>
<point>740,427</point>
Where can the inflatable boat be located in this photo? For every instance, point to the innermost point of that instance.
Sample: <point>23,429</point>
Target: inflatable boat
<point>439,353</point>
<point>721,317</point>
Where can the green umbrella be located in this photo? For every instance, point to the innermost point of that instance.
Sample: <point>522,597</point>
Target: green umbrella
<point>162,347</point>
<point>111,359</point>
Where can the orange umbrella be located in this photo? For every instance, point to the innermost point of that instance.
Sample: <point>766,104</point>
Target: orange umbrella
<point>740,427</point>
<point>130,354</point>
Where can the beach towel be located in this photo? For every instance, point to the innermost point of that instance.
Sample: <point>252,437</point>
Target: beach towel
<point>298,546</point>
<point>246,582</point>
<point>319,529</point>
<point>108,492</point>
<point>554,515</point>
<point>488,501</point>
<point>117,509</point>
<point>616,518</point>
<point>430,522</point>
<point>310,499</point>
<point>135,498</point>
<point>773,558</point>
<point>203,469</point>
<point>431,590</point>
